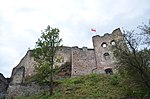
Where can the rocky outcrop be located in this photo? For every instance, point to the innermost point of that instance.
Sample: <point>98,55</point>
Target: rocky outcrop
<point>24,90</point>
<point>3,86</point>
<point>65,70</point>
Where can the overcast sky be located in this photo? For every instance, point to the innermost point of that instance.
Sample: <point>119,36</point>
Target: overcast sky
<point>21,22</point>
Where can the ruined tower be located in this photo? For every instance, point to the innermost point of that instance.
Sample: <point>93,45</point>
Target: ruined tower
<point>103,47</point>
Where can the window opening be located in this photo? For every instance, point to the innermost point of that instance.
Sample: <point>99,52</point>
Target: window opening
<point>108,71</point>
<point>113,42</point>
<point>104,44</point>
<point>106,56</point>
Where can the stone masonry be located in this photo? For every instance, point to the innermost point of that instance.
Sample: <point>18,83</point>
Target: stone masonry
<point>24,69</point>
<point>104,46</point>
<point>83,60</point>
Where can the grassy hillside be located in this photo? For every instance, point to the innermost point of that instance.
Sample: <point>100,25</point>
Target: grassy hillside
<point>92,87</point>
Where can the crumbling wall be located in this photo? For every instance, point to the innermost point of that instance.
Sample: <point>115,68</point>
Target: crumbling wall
<point>29,65</point>
<point>26,68</point>
<point>83,61</point>
<point>18,76</point>
<point>63,56</point>
<point>104,46</point>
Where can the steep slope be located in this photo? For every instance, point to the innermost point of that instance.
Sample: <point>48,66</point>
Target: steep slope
<point>93,87</point>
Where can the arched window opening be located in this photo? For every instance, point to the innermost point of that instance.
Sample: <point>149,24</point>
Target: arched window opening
<point>106,56</point>
<point>104,44</point>
<point>113,42</point>
<point>108,71</point>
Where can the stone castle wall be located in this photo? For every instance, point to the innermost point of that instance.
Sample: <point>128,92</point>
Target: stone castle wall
<point>62,56</point>
<point>83,61</point>
<point>24,69</point>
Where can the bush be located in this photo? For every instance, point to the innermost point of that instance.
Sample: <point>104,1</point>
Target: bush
<point>115,79</point>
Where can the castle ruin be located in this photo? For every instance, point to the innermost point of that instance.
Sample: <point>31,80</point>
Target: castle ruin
<point>83,61</point>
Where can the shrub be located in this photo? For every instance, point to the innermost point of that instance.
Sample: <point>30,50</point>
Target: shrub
<point>115,79</point>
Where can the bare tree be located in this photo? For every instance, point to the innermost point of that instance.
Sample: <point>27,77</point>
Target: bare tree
<point>145,28</point>
<point>134,62</point>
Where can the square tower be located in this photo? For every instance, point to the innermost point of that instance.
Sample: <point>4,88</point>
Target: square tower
<point>104,46</point>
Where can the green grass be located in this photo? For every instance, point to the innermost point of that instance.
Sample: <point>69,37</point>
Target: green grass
<point>92,86</point>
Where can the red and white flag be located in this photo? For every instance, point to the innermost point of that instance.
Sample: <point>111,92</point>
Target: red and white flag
<point>93,30</point>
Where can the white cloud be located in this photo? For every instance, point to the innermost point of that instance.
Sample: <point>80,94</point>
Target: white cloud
<point>21,22</point>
